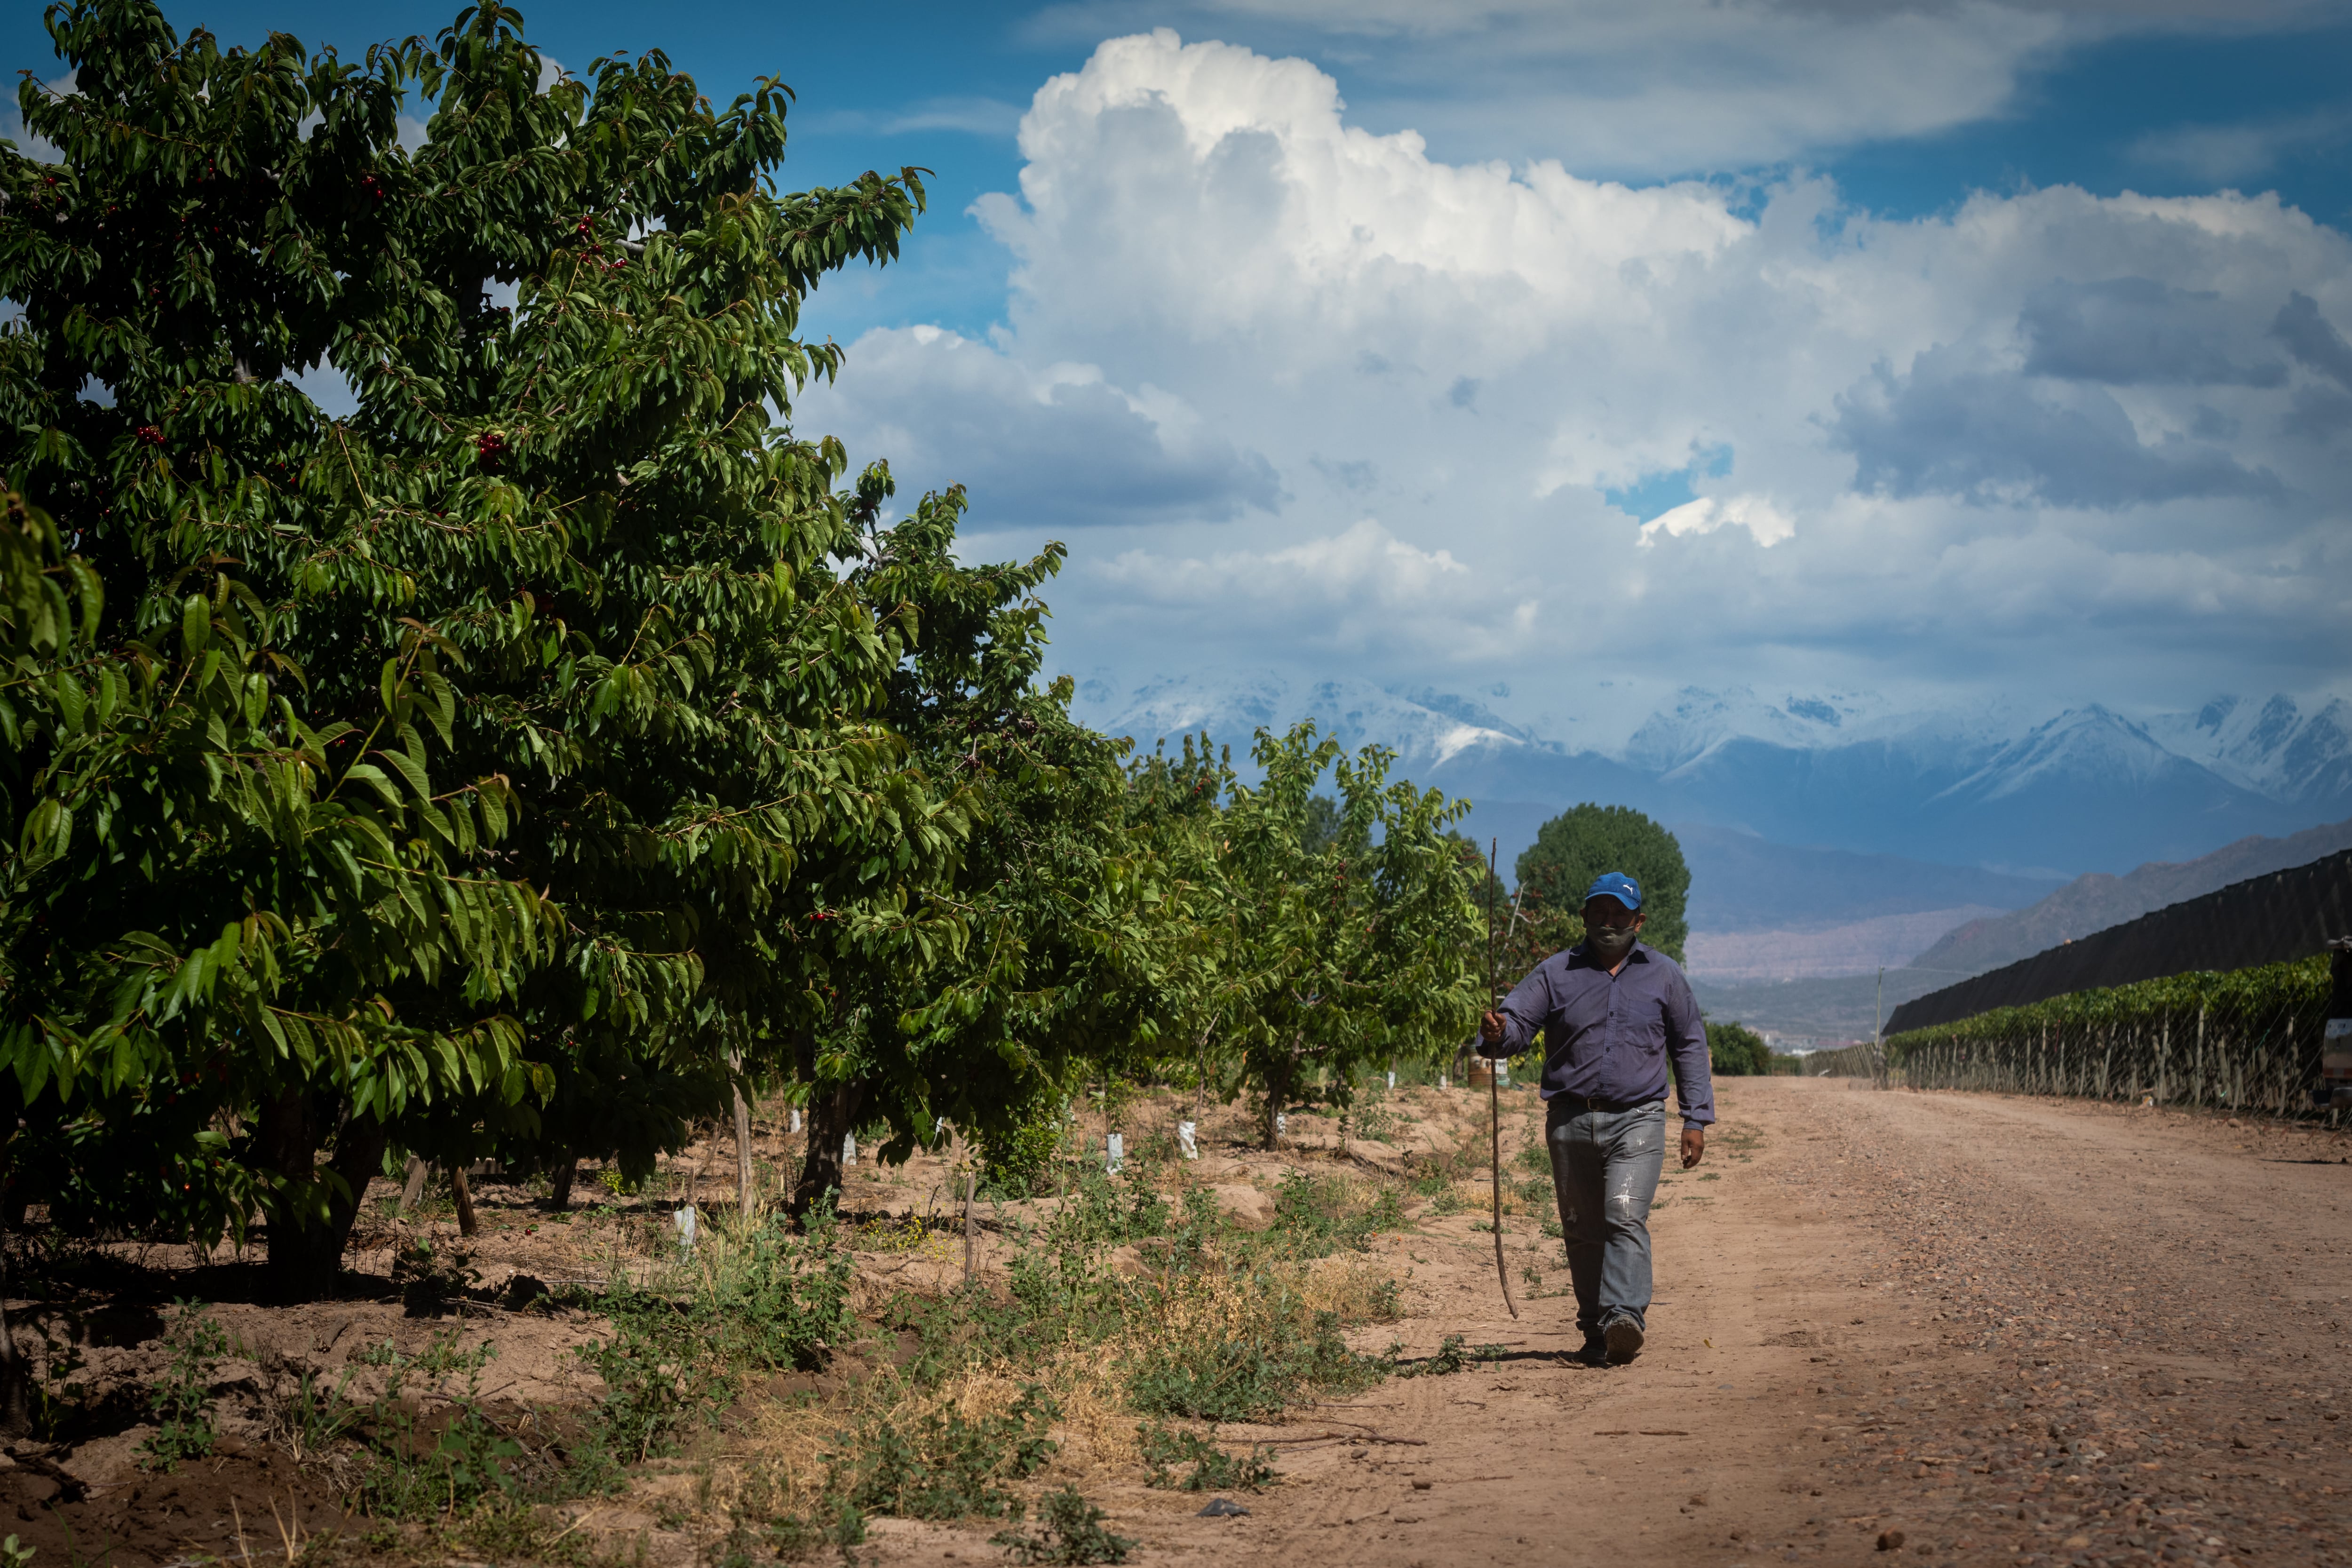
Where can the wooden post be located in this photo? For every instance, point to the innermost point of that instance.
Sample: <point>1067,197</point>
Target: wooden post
<point>412,1186</point>
<point>466,1222</point>
<point>970,1236</point>
<point>746,1196</point>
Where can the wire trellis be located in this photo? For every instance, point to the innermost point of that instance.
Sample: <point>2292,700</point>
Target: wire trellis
<point>2247,1040</point>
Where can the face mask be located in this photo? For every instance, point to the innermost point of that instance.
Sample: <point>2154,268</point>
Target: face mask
<point>1609,943</point>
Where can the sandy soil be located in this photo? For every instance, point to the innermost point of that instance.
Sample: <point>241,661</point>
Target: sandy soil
<point>1971,1328</point>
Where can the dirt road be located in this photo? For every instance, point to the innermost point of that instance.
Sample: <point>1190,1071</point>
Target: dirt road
<point>1969,1328</point>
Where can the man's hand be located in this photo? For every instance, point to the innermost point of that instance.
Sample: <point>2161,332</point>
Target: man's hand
<point>1490,1028</point>
<point>1693,1145</point>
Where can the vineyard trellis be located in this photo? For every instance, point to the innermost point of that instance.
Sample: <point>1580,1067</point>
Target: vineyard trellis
<point>2244,1041</point>
<point>1857,1061</point>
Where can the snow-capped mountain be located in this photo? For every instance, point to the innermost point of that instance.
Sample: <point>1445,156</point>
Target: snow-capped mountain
<point>2086,789</point>
<point>1427,729</point>
<point>1696,722</point>
<point>2273,747</point>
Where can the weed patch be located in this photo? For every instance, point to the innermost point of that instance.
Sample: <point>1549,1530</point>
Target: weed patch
<point>1249,1374</point>
<point>1071,1532</point>
<point>1213,1469</point>
<point>771,1302</point>
<point>942,1467</point>
<point>516,1535</point>
<point>429,1277</point>
<point>1318,1216</point>
<point>446,1462</point>
<point>1451,1357</point>
<point>182,1399</point>
<point>1019,1164</point>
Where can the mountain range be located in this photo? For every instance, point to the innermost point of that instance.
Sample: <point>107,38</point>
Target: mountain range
<point>2044,797</point>
<point>1830,832</point>
<point>2096,900</point>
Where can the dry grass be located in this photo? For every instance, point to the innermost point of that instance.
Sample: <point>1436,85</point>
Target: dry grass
<point>1359,1288</point>
<point>783,1444</point>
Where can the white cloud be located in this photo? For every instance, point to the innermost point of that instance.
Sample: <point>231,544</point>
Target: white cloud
<point>970,113</point>
<point>1366,563</point>
<point>1675,87</point>
<point>2227,154</point>
<point>1764,523</point>
<point>1057,443</point>
<point>1362,590</point>
<point>2031,439</point>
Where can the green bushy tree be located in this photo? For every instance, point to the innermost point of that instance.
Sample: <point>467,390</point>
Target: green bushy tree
<point>1332,958</point>
<point>506,740</point>
<point>1735,1051</point>
<point>1587,840</point>
<point>1066,945</point>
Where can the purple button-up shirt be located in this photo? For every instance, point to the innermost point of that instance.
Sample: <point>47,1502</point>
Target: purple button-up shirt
<point>1606,1035</point>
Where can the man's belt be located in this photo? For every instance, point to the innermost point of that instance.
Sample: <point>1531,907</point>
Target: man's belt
<point>1580,1103</point>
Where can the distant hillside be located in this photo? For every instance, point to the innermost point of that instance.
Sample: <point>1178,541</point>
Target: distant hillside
<point>1840,1008</point>
<point>1741,882</point>
<point>1857,947</point>
<point>2096,901</point>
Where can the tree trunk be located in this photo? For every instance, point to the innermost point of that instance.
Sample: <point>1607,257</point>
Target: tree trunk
<point>306,1254</point>
<point>746,1196</point>
<point>15,1372</point>
<point>467,1225</point>
<point>970,1236</point>
<point>565,1172</point>
<point>412,1183</point>
<point>1278,1074</point>
<point>832,1116</point>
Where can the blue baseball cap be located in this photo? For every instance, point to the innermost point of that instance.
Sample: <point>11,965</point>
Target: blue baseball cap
<point>1615,885</point>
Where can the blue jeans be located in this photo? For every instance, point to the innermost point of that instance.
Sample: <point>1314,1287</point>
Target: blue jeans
<point>1604,1169</point>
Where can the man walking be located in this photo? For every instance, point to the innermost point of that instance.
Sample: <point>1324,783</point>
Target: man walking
<point>1611,1010</point>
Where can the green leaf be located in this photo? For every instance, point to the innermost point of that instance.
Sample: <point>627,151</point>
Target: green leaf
<point>367,774</point>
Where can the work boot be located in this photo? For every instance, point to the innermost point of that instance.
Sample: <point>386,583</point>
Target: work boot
<point>1595,1349</point>
<point>1622,1335</point>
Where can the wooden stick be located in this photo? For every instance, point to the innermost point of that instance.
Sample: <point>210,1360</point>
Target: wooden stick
<point>970,1236</point>
<point>467,1225</point>
<point>747,1194</point>
<point>1494,1090</point>
<point>412,1186</point>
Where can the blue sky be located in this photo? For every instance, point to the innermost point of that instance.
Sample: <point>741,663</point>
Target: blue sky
<point>943,86</point>
<point>1825,344</point>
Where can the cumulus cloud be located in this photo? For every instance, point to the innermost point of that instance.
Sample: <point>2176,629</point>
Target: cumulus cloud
<point>1765,523</point>
<point>2129,330</point>
<point>2040,429</point>
<point>1945,429</point>
<point>1666,88</point>
<point>1360,590</point>
<point>1677,87</point>
<point>1058,444</point>
<point>2312,338</point>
